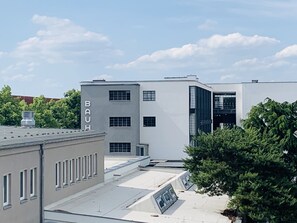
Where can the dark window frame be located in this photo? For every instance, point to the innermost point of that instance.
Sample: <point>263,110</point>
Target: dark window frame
<point>119,147</point>
<point>149,95</point>
<point>119,95</point>
<point>119,121</point>
<point>149,121</point>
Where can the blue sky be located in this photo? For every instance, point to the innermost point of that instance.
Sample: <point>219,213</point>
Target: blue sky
<point>48,47</point>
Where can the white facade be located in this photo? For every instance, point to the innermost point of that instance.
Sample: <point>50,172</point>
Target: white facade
<point>169,110</point>
<point>170,136</point>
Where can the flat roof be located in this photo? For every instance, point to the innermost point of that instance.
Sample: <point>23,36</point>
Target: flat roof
<point>102,82</point>
<point>113,200</point>
<point>11,136</point>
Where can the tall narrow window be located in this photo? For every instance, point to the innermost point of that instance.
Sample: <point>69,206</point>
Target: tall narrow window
<point>23,184</point>
<point>6,190</point>
<point>95,164</point>
<point>78,168</point>
<point>90,160</point>
<point>33,182</point>
<point>84,167</point>
<point>65,172</point>
<point>71,170</point>
<point>58,174</point>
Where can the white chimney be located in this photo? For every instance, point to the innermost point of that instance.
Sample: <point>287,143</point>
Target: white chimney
<point>28,119</point>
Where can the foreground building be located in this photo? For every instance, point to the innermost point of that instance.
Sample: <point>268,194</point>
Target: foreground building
<point>139,195</point>
<point>42,166</point>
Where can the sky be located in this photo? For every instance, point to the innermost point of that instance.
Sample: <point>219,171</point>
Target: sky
<point>49,47</point>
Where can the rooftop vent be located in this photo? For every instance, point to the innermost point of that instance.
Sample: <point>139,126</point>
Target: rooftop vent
<point>28,119</point>
<point>255,81</point>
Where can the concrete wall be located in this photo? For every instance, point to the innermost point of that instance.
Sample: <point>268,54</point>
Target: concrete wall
<point>68,150</point>
<point>12,161</point>
<point>254,93</point>
<point>101,109</point>
<point>167,140</point>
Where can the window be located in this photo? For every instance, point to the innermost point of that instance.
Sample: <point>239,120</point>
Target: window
<point>77,170</point>
<point>149,95</point>
<point>120,147</point>
<point>149,121</point>
<point>58,174</point>
<point>33,182</point>
<point>119,95</point>
<point>84,167</point>
<point>95,165</point>
<point>119,121</point>
<point>90,159</point>
<point>23,184</point>
<point>6,190</point>
<point>71,170</point>
<point>65,172</point>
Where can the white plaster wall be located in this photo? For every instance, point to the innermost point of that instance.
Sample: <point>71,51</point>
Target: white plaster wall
<point>170,136</point>
<point>254,93</point>
<point>237,88</point>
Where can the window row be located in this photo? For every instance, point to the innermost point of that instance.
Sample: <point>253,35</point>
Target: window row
<point>75,170</point>
<point>148,121</point>
<point>25,180</point>
<point>119,147</point>
<point>124,95</point>
<point>119,121</point>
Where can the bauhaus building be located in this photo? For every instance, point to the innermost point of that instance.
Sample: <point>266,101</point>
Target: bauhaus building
<point>159,118</point>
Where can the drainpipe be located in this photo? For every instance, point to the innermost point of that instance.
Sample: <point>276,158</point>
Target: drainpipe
<point>41,183</point>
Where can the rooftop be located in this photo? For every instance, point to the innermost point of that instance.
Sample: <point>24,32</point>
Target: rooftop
<point>127,198</point>
<point>11,136</point>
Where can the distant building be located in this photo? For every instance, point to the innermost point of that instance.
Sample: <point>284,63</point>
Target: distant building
<point>155,118</point>
<point>29,99</point>
<point>159,118</point>
<point>41,166</point>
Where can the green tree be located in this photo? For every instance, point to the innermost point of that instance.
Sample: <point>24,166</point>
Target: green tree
<point>251,165</point>
<point>10,108</point>
<point>42,113</point>
<point>72,99</point>
<point>67,110</point>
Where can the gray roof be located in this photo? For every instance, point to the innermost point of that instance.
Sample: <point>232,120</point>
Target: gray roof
<point>11,137</point>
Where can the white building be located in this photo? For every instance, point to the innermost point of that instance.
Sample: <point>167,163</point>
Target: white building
<point>159,118</point>
<point>156,118</point>
<point>248,94</point>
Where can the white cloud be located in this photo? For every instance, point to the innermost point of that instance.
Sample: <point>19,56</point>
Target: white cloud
<point>19,77</point>
<point>227,77</point>
<point>60,40</point>
<point>247,62</point>
<point>290,51</point>
<point>203,48</point>
<point>106,77</point>
<point>207,25</point>
<point>20,71</point>
<point>236,40</point>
